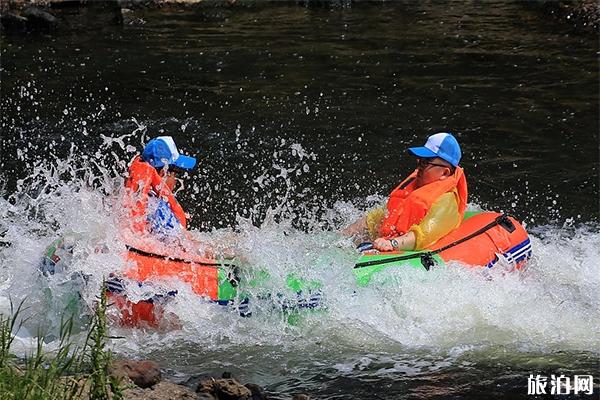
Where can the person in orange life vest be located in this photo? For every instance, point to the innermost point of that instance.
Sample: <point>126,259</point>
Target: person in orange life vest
<point>426,206</point>
<point>151,180</point>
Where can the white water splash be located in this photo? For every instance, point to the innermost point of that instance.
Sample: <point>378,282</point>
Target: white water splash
<point>552,305</point>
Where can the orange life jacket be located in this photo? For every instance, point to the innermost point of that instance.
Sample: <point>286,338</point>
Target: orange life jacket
<point>407,205</point>
<point>142,180</point>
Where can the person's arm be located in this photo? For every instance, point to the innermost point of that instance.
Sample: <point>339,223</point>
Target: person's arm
<point>358,227</point>
<point>404,242</point>
<point>366,227</point>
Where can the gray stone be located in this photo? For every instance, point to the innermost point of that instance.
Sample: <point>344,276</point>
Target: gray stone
<point>13,22</point>
<point>163,391</point>
<point>258,392</point>
<point>205,396</point>
<point>301,397</point>
<point>38,19</point>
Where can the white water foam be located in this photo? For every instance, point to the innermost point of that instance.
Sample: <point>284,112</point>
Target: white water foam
<point>553,304</point>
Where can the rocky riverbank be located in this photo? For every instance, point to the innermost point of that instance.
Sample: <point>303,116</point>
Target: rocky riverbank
<point>48,15</point>
<point>583,15</point>
<point>142,380</point>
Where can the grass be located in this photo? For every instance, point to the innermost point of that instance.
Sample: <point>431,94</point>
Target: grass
<point>71,371</point>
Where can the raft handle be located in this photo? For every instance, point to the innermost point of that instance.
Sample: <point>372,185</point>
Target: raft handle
<point>427,260</point>
<point>506,223</point>
<point>233,276</point>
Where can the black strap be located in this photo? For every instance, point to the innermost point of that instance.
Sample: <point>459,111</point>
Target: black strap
<point>501,220</point>
<point>427,257</point>
<point>408,181</point>
<point>153,255</point>
<point>387,260</point>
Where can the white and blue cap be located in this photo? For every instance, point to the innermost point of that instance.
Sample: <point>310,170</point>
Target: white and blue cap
<point>442,145</point>
<point>162,150</point>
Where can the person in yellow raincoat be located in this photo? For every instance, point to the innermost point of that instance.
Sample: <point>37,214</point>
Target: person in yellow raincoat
<point>425,207</point>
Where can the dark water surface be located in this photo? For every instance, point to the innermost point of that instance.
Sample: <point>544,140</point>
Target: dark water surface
<point>355,86</point>
<point>305,107</point>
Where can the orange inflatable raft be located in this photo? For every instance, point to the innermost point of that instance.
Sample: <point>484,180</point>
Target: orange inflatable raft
<point>482,240</point>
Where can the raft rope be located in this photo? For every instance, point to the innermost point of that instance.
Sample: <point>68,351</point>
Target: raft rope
<point>427,257</point>
<point>232,272</point>
<point>169,258</point>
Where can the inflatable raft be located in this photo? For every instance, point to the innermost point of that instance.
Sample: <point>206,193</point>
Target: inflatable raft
<point>218,281</point>
<point>482,240</point>
<point>208,278</point>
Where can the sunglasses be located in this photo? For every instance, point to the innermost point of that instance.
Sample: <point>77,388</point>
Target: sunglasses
<point>423,163</point>
<point>173,170</point>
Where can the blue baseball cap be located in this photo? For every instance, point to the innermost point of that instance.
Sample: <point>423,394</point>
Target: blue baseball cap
<point>442,145</point>
<point>162,150</point>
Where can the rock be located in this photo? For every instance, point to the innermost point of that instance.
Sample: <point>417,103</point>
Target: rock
<point>301,397</point>
<point>95,15</point>
<point>206,386</point>
<point>205,396</point>
<point>230,389</point>
<point>163,391</point>
<point>258,392</point>
<point>583,15</point>
<point>224,389</point>
<point>143,373</point>
<point>38,19</point>
<point>13,22</point>
<point>66,3</point>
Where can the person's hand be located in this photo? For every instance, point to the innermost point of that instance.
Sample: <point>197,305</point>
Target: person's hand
<point>382,244</point>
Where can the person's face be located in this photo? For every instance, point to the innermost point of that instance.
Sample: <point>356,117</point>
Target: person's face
<point>170,177</point>
<point>431,170</point>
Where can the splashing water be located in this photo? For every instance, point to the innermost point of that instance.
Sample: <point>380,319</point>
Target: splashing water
<point>291,158</point>
<point>552,306</point>
<point>407,322</point>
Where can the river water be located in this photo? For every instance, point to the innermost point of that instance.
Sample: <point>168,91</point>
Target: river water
<point>300,117</point>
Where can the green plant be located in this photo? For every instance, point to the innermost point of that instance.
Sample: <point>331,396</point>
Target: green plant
<point>7,325</point>
<point>101,382</point>
<point>41,375</point>
<point>68,372</point>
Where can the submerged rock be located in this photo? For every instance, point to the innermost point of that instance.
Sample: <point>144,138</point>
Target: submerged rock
<point>13,22</point>
<point>583,15</point>
<point>38,19</point>
<point>31,18</point>
<point>301,397</point>
<point>257,392</point>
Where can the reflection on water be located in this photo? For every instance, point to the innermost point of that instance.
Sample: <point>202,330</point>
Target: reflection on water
<point>297,115</point>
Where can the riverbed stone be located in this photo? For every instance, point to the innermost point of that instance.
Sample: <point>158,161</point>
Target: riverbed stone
<point>258,392</point>
<point>13,22</point>
<point>224,389</point>
<point>143,373</point>
<point>301,397</point>
<point>230,389</point>
<point>583,15</point>
<point>205,396</point>
<point>162,391</point>
<point>38,19</point>
<point>66,3</point>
